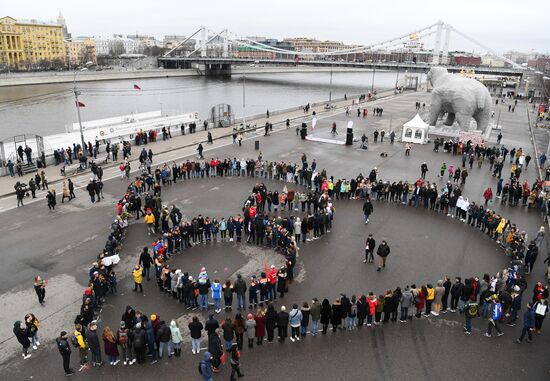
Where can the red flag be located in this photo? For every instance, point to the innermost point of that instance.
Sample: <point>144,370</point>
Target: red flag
<point>79,104</point>
<point>266,270</point>
<point>136,87</point>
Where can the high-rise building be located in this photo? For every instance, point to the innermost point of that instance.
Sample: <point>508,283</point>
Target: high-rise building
<point>61,21</point>
<point>31,44</point>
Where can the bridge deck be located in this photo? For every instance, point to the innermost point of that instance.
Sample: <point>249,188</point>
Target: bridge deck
<point>177,62</point>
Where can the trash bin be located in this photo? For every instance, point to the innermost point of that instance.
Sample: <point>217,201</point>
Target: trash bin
<point>349,137</point>
<point>303,131</point>
<point>256,145</point>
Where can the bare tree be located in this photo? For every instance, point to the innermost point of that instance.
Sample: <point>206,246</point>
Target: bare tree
<point>116,48</point>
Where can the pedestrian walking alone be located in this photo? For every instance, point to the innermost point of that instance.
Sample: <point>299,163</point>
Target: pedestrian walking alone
<point>367,209</point>
<point>528,324</point>
<point>383,252</point>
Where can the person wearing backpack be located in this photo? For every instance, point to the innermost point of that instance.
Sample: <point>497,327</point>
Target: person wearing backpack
<point>205,367</point>
<point>470,312</point>
<point>80,343</point>
<point>164,338</point>
<point>123,340</point>
<point>496,314</point>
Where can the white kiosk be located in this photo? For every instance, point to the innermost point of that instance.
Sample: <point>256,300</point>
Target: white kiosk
<point>415,131</point>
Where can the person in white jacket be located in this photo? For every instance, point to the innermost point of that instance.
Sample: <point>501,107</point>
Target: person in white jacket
<point>176,337</point>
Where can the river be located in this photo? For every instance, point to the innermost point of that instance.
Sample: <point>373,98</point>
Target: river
<point>48,109</point>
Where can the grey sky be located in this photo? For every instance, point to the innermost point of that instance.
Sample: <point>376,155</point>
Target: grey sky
<point>502,25</point>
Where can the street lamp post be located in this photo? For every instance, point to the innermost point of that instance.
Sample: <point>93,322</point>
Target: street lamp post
<point>77,104</point>
<point>330,91</point>
<point>244,101</point>
<point>76,93</point>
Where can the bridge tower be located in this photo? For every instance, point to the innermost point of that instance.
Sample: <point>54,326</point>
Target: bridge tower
<point>437,45</point>
<point>203,41</point>
<point>225,52</point>
<point>445,52</point>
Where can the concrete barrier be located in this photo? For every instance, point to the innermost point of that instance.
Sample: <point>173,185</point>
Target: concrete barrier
<point>69,77</point>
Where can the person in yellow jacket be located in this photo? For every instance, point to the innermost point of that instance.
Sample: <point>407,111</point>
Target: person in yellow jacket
<point>430,296</point>
<point>500,229</point>
<point>138,278</point>
<point>150,222</point>
<point>82,347</point>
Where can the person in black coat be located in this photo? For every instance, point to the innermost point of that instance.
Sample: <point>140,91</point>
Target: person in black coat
<point>370,244</point>
<point>65,351</point>
<point>93,343</point>
<point>146,261</point>
<point>129,317</point>
<point>362,308</point>
<point>396,298</point>
<point>271,322</point>
<point>336,317</point>
<point>346,309</point>
<point>21,332</point>
<point>140,340</point>
<point>367,209</point>
<point>383,252</point>
<point>282,282</point>
<point>388,306</point>
<point>215,348</point>
<point>211,325</point>
<point>282,324</point>
<point>326,314</point>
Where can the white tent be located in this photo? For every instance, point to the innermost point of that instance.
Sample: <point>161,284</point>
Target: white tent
<point>415,131</point>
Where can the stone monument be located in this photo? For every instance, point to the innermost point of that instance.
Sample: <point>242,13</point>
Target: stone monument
<point>461,98</point>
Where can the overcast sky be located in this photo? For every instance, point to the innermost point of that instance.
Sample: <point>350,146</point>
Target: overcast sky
<point>502,25</point>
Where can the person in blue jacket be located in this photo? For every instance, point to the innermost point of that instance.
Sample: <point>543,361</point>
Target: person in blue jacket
<point>528,324</point>
<point>205,367</point>
<point>496,315</point>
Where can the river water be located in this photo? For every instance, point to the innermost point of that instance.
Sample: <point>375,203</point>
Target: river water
<point>48,109</point>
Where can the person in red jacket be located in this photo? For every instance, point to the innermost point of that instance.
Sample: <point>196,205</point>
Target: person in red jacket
<point>272,276</point>
<point>372,303</point>
<point>488,195</point>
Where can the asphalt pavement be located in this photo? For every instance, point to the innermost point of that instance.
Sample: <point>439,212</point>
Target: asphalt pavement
<point>61,245</point>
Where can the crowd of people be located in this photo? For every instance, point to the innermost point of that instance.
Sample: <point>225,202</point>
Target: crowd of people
<point>282,234</point>
<point>495,298</point>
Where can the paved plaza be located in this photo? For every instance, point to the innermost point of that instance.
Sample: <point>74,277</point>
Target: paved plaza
<point>425,247</point>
